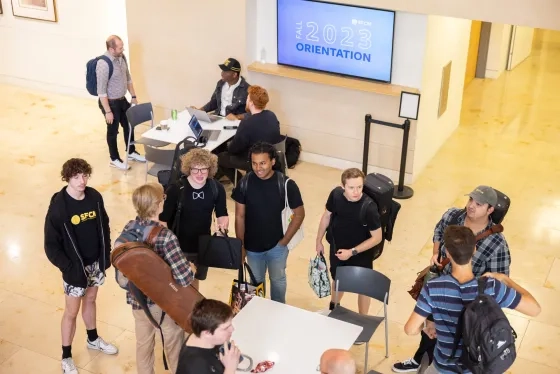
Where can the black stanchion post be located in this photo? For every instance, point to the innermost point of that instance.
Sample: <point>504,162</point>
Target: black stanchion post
<point>402,191</point>
<point>366,143</point>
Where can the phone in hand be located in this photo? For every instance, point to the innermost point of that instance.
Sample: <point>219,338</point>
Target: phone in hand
<point>230,127</point>
<point>222,350</point>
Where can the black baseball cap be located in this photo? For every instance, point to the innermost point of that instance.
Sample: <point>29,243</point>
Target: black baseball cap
<point>231,64</point>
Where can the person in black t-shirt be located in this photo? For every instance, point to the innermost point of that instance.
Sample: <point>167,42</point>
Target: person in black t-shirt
<point>200,195</point>
<point>212,328</point>
<point>352,233</point>
<point>78,243</point>
<point>258,218</point>
<point>261,126</point>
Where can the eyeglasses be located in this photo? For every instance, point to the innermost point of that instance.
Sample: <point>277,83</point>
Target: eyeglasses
<point>198,171</point>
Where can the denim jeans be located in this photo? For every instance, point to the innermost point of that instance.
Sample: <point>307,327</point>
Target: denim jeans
<point>275,261</point>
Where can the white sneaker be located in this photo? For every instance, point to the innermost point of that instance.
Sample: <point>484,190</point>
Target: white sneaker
<point>102,346</point>
<point>135,156</point>
<point>68,366</point>
<point>118,164</point>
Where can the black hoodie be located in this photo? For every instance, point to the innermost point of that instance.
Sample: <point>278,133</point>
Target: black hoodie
<point>61,245</point>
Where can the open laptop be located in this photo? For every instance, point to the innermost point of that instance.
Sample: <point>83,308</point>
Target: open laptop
<point>202,116</point>
<point>198,131</point>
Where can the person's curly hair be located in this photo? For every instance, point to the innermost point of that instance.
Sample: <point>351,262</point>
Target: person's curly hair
<point>202,157</point>
<point>73,167</point>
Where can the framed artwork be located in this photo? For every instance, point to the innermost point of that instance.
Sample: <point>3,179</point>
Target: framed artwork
<point>444,91</point>
<point>44,10</point>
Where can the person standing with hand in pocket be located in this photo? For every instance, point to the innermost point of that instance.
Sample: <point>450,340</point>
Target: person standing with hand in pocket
<point>353,228</point>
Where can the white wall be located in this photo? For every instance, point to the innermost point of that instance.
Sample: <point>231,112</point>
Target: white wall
<point>408,48</point>
<point>52,56</point>
<point>498,50</point>
<point>447,40</point>
<point>521,45</point>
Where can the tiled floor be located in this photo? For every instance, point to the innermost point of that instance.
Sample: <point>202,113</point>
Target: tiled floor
<point>508,137</point>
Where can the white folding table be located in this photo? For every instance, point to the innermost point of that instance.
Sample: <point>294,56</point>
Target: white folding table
<point>179,130</point>
<point>293,338</point>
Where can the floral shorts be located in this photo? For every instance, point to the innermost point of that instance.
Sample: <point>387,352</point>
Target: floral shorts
<point>95,278</point>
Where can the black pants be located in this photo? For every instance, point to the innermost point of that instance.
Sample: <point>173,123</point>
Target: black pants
<point>228,163</point>
<point>119,108</point>
<point>427,345</point>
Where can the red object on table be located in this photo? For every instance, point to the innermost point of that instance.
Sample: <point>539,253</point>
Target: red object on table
<point>263,366</point>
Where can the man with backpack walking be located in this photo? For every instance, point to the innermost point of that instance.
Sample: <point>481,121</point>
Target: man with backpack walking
<point>191,202</point>
<point>473,334</point>
<point>260,198</point>
<point>148,203</point>
<point>109,78</point>
<point>482,216</point>
<point>77,242</point>
<point>354,229</point>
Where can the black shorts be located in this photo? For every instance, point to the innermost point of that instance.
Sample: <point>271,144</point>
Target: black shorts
<point>362,260</point>
<point>201,271</point>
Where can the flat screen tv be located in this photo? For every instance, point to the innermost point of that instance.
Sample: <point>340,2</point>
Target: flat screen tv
<point>335,38</point>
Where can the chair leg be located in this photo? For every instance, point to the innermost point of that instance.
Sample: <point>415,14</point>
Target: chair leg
<point>386,336</point>
<point>127,149</point>
<point>367,354</point>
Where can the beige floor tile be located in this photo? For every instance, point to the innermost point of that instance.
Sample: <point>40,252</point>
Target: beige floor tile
<point>7,350</point>
<point>523,366</point>
<point>540,344</point>
<point>26,361</point>
<point>553,279</point>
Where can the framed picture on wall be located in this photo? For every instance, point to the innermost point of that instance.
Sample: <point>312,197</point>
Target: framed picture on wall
<point>44,10</point>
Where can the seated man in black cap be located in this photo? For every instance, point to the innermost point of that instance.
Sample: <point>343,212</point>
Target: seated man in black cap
<point>230,96</point>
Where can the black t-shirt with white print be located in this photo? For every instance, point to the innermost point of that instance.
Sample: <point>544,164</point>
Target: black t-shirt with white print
<point>196,211</point>
<point>84,222</point>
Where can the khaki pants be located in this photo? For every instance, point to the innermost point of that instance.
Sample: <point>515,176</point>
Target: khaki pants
<point>431,370</point>
<point>173,335</point>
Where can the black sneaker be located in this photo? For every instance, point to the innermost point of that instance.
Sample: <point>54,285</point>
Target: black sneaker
<point>406,366</point>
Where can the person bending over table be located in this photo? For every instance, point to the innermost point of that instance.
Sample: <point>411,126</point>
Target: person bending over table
<point>230,96</point>
<point>260,126</point>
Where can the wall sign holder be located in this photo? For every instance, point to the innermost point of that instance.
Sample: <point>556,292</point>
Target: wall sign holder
<point>409,105</point>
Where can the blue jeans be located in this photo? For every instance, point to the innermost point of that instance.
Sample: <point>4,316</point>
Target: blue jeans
<point>275,261</point>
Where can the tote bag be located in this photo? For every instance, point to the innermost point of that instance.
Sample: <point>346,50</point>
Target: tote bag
<point>287,215</point>
<point>242,291</point>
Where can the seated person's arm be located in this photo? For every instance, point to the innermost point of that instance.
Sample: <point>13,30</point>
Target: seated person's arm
<point>240,142</point>
<point>212,105</point>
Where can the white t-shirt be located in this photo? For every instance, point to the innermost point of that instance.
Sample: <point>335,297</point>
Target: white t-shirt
<point>227,95</point>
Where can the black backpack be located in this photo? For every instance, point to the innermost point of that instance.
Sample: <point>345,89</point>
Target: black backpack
<point>379,191</point>
<point>488,338</point>
<point>244,184</point>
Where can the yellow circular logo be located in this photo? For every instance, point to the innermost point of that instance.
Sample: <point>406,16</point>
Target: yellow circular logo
<point>75,220</point>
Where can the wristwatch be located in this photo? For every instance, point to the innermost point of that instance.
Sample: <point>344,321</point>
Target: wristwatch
<point>134,97</point>
<point>354,252</point>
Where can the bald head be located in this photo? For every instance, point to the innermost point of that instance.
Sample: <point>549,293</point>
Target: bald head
<point>337,361</point>
<point>115,46</point>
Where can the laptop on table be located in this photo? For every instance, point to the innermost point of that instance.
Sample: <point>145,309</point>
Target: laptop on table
<point>198,131</point>
<point>202,116</point>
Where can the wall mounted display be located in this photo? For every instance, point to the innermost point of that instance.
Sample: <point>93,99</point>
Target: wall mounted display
<point>44,10</point>
<point>347,40</point>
